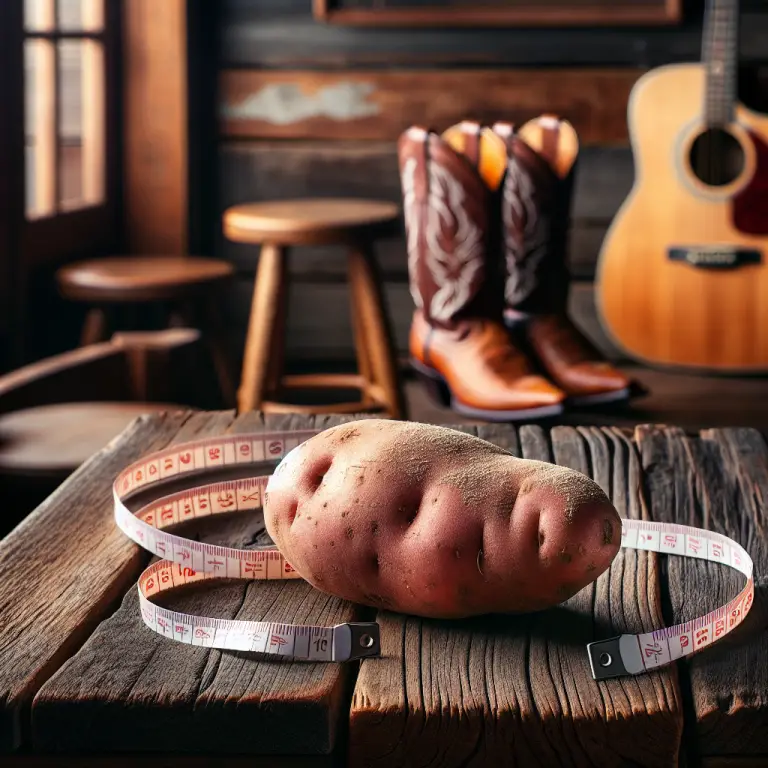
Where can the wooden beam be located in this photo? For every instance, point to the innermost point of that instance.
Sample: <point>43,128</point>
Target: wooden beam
<point>380,104</point>
<point>538,13</point>
<point>155,126</point>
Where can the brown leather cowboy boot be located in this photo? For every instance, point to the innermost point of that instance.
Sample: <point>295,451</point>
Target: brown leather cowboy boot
<point>536,200</point>
<point>458,342</point>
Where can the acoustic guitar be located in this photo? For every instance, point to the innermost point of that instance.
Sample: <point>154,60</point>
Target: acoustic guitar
<point>682,276</point>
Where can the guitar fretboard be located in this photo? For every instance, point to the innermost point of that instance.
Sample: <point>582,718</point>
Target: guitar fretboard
<point>720,57</point>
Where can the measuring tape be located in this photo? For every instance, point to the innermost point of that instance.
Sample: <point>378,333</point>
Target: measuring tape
<point>237,456</point>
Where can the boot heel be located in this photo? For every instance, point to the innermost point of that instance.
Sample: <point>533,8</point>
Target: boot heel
<point>436,388</point>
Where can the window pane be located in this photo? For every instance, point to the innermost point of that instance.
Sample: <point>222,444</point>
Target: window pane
<point>81,123</point>
<point>39,15</point>
<point>81,15</point>
<point>70,122</point>
<point>39,127</point>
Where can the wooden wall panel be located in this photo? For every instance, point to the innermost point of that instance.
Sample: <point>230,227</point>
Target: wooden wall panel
<point>268,33</point>
<point>155,126</point>
<point>272,170</point>
<point>382,104</point>
<point>319,328</point>
<point>312,109</point>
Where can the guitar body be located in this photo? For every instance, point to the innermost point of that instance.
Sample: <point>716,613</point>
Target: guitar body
<point>682,275</point>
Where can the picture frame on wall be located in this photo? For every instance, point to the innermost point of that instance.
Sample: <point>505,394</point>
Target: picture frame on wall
<point>468,13</point>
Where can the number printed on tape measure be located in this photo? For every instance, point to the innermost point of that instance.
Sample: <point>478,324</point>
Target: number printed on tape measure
<point>185,561</point>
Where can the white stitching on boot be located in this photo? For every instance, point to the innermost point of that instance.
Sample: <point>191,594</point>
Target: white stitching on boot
<point>452,271</point>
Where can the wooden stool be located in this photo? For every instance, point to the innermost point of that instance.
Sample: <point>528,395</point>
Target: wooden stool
<point>277,225</point>
<point>56,412</point>
<point>187,284</point>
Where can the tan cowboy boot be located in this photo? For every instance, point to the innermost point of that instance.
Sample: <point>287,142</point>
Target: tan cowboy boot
<point>458,342</point>
<point>536,200</point>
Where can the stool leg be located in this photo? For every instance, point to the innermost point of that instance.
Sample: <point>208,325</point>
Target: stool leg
<point>264,324</point>
<point>364,279</point>
<point>361,342</point>
<point>94,328</point>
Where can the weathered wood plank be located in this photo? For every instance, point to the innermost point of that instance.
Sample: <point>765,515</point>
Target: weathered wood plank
<point>603,724</point>
<point>717,482</point>
<point>52,597</point>
<point>263,33</point>
<point>381,104</point>
<point>517,690</point>
<point>130,690</point>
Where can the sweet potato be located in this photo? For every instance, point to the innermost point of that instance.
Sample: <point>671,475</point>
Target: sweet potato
<point>433,522</point>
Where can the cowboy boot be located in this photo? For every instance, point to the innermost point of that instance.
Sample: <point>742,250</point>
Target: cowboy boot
<point>536,201</point>
<point>458,343</point>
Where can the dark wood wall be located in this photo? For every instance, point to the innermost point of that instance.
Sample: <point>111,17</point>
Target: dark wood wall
<point>307,108</point>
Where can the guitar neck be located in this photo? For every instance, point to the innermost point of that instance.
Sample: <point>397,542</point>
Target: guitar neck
<point>720,57</point>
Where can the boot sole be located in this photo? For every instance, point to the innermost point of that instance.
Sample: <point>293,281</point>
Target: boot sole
<point>439,390</point>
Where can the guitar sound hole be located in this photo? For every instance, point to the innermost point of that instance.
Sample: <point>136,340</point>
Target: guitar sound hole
<point>717,158</point>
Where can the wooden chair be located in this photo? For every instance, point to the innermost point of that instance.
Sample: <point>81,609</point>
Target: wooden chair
<point>276,226</point>
<point>57,412</point>
<point>188,287</point>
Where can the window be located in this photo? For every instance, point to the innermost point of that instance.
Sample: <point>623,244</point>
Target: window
<point>64,85</point>
<point>71,113</point>
<point>59,152</point>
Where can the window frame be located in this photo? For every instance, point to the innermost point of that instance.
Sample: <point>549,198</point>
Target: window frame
<point>28,245</point>
<point>91,228</point>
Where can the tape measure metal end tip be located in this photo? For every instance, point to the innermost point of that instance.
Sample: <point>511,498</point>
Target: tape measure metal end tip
<point>607,657</point>
<point>360,640</point>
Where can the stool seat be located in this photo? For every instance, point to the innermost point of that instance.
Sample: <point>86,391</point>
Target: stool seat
<point>139,278</point>
<point>57,439</point>
<point>307,222</point>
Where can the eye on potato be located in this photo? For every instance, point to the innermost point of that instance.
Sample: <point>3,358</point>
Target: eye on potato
<point>433,522</point>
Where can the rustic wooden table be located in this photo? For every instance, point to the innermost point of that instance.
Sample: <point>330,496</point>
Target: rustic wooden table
<point>84,683</point>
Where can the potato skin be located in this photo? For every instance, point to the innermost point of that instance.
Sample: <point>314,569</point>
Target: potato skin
<point>433,522</point>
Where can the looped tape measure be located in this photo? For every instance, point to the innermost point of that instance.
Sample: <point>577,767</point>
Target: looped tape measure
<point>186,561</point>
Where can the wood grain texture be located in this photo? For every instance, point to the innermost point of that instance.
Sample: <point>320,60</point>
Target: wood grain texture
<point>718,482</point>
<point>36,595</point>
<point>265,33</point>
<point>670,313</point>
<point>381,104</point>
<point>130,690</point>
<point>518,690</point>
<point>155,127</point>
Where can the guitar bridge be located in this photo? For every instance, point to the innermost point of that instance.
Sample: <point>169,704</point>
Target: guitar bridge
<point>715,257</point>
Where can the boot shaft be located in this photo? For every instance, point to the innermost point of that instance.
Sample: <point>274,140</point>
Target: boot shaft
<point>535,220</point>
<point>447,209</point>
